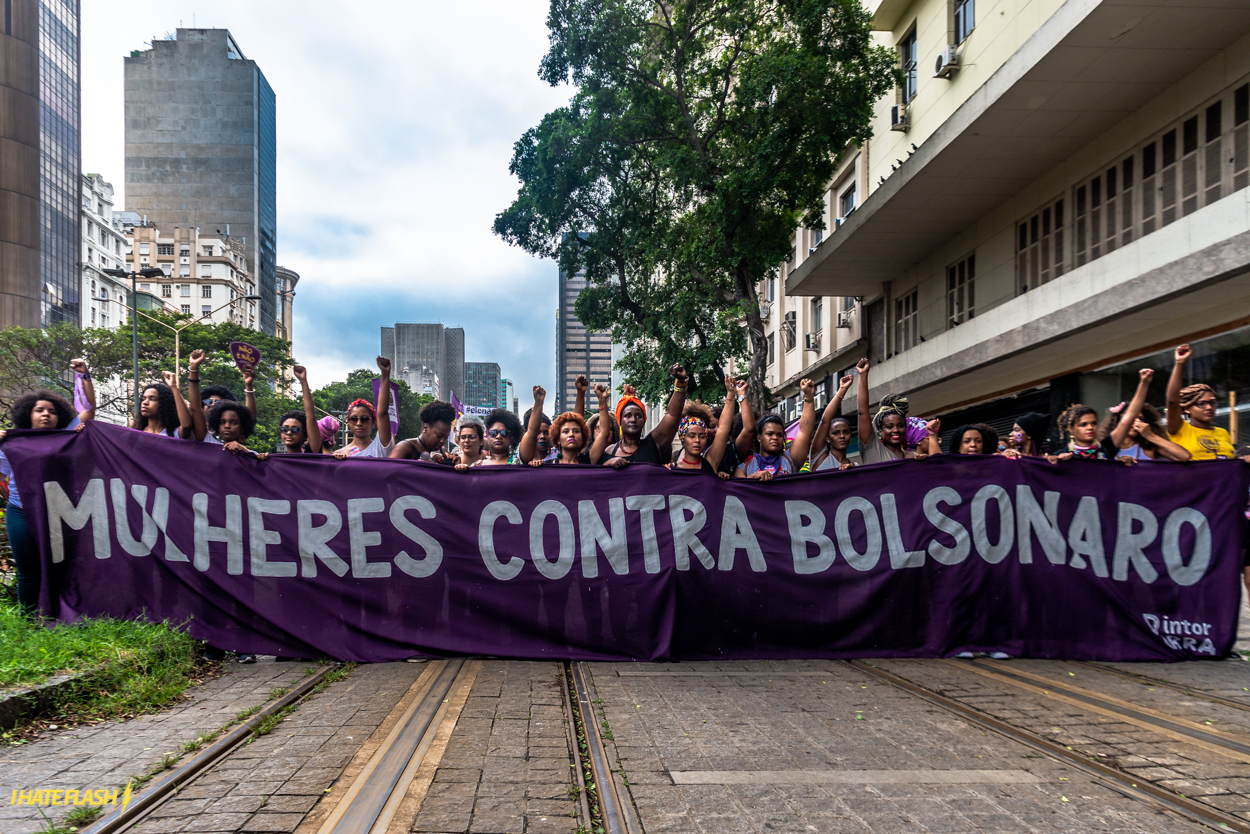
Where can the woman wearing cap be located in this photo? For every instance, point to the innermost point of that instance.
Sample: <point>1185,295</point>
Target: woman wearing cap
<point>1199,436</point>
<point>883,436</point>
<point>362,417</point>
<point>1028,436</point>
<point>692,431</point>
<point>772,458</point>
<point>631,416</point>
<point>293,426</point>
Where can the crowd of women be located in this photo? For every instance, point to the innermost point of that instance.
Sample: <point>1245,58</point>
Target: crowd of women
<point>726,439</point>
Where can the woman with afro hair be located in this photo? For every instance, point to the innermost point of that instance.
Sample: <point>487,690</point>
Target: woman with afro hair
<point>503,433</point>
<point>436,420</point>
<point>570,433</point>
<point>47,411</point>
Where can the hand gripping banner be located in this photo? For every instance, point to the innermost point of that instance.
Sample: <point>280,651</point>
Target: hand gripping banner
<point>374,560</point>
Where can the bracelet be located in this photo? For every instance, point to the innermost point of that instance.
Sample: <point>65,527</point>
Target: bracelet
<point>808,401</point>
<point>86,376</point>
<point>195,378</point>
<point>249,390</point>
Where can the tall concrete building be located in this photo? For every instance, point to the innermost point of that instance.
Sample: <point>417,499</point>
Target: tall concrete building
<point>578,351</point>
<point>60,154</point>
<point>287,279</point>
<point>104,246</point>
<point>429,356</point>
<point>1055,197</point>
<point>483,385</point>
<point>20,284</point>
<point>201,147</point>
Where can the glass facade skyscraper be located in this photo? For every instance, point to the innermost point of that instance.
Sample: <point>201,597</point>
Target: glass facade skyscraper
<point>60,160</point>
<point>267,203</point>
<point>482,385</point>
<point>578,350</point>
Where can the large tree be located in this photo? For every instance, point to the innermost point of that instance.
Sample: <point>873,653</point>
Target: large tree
<point>700,135</point>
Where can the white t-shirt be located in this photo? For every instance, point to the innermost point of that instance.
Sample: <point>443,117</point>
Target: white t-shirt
<point>374,450</point>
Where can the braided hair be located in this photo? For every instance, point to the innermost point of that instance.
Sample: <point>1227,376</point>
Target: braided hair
<point>890,404</point>
<point>166,407</point>
<point>1070,416</point>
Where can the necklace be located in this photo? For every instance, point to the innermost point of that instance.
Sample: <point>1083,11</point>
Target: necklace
<point>698,463</point>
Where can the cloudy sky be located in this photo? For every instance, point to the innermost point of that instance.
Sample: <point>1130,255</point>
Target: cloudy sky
<point>395,126</point>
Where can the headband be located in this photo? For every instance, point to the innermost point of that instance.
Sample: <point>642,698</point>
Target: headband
<point>624,401</point>
<point>1191,393</point>
<point>372,411</point>
<point>688,423</point>
<point>1116,409</point>
<point>328,427</point>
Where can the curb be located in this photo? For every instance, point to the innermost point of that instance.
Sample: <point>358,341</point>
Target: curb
<point>19,704</point>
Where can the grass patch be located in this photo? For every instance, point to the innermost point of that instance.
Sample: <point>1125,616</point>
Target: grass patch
<point>129,668</point>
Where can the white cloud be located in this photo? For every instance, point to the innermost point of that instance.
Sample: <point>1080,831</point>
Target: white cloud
<point>395,127</point>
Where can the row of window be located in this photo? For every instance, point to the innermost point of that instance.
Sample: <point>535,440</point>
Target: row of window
<point>965,22</point>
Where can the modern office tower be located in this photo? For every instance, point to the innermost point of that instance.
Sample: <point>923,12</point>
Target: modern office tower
<point>1024,228</point>
<point>104,246</point>
<point>482,385</point>
<point>200,147</point>
<point>60,156</point>
<point>429,356</point>
<point>505,393</point>
<point>578,351</point>
<point>19,175</point>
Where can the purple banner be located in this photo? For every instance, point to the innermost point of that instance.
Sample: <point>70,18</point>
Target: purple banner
<point>374,560</point>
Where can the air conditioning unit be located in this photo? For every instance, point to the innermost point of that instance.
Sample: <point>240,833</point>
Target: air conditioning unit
<point>766,310</point>
<point>811,341</point>
<point>898,117</point>
<point>947,62</point>
<point>844,320</point>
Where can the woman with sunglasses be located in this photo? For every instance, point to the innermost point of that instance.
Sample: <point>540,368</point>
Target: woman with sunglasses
<point>1199,436</point>
<point>293,426</point>
<point>362,417</point>
<point>503,433</point>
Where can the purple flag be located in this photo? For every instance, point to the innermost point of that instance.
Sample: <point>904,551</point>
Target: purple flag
<point>376,559</point>
<point>393,412</point>
<point>80,396</point>
<point>455,403</point>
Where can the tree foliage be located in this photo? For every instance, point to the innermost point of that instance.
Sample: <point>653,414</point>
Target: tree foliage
<point>700,135</point>
<point>336,396</point>
<point>32,358</point>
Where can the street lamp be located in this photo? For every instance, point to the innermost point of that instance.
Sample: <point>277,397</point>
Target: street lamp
<point>146,272</point>
<point>178,330</point>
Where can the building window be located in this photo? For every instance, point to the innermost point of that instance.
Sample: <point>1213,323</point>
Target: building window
<point>206,291</point>
<point>772,349</point>
<point>185,250</point>
<point>184,270</point>
<point>1039,247</point>
<point>906,322</point>
<point>205,310</point>
<point>144,249</point>
<point>788,328</point>
<point>818,314</point>
<point>145,287</point>
<point>961,291</point>
<point>184,290</point>
<point>1241,137</point>
<point>186,308</point>
<point>93,315</point>
<point>846,202</point>
<point>907,54</point>
<point>167,291</point>
<point>164,248</point>
<point>208,250</point>
<point>206,270</point>
<point>104,293</point>
<point>772,289</point>
<point>965,19</point>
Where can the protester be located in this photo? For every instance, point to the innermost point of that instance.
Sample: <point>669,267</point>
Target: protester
<point>741,430</point>
<point>542,438</point>
<point>883,436</point>
<point>597,422</point>
<point>1028,435</point>
<point>833,435</point>
<point>570,434</point>
<point>293,425</point>
<point>328,427</point>
<point>631,416</point>
<point>579,401</point>
<point>436,420</point>
<point>970,440</point>
<point>1146,438</point>
<point>1199,436</point>
<point>163,412</point>
<point>773,459</point>
<point>692,431</point>
<point>47,411</point>
<point>202,402</point>
<point>362,417</point>
<point>503,434</point>
<point>471,440</point>
<point>229,424</point>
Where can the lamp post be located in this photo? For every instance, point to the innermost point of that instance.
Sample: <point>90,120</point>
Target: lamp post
<point>178,330</point>
<point>146,272</point>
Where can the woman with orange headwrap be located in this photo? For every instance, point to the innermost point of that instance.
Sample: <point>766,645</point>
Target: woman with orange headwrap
<point>1200,436</point>
<point>631,416</point>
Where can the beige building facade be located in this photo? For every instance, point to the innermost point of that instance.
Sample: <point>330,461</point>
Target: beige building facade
<point>104,247</point>
<point>1056,196</point>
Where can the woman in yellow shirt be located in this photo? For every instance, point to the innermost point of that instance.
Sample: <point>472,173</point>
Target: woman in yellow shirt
<point>1199,436</point>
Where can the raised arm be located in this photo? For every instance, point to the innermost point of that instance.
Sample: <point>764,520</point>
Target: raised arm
<point>861,401</point>
<point>579,404</point>
<point>199,425</point>
<point>1167,449</point>
<point>528,449</point>
<point>930,442</point>
<point>826,420</point>
<point>249,389</point>
<point>1175,383</point>
<point>605,417</point>
<point>802,444</point>
<point>745,441</point>
<point>716,452</point>
<point>1133,411</point>
<point>384,402</point>
<point>79,366</point>
<point>184,415</point>
<point>310,411</point>
<point>666,430</point>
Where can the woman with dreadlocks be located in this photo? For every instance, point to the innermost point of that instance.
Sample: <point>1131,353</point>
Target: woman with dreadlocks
<point>362,417</point>
<point>1146,438</point>
<point>883,436</point>
<point>692,432</point>
<point>772,459</point>
<point>1199,436</point>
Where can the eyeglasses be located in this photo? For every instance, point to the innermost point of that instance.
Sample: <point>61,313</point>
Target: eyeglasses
<point>360,418</point>
<point>499,433</point>
<point>290,429</point>
<point>1206,403</point>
